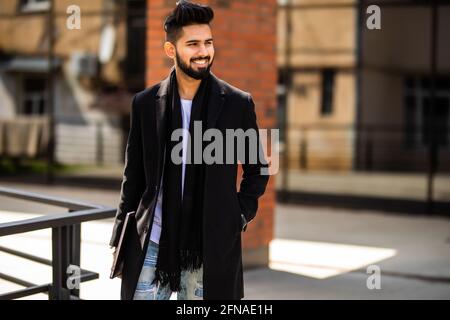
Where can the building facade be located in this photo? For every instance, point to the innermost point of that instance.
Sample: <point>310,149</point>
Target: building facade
<point>96,67</point>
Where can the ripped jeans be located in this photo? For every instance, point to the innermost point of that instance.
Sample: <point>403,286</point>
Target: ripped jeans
<point>191,282</point>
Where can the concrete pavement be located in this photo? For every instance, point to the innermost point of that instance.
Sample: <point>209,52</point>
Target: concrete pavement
<point>317,253</point>
<point>416,249</point>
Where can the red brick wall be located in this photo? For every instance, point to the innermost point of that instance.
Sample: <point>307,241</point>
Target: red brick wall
<point>244,34</point>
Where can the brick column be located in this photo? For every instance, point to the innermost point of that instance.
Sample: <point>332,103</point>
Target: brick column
<point>244,34</point>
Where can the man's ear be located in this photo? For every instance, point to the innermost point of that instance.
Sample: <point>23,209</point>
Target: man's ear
<point>169,48</point>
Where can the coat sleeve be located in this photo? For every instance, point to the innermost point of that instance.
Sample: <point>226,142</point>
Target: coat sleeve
<point>253,183</point>
<point>133,181</point>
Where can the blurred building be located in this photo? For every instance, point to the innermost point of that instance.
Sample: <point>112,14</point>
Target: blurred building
<point>317,56</point>
<point>396,91</point>
<point>359,98</point>
<point>94,70</point>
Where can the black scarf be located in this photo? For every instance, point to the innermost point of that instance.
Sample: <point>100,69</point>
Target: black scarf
<point>181,241</point>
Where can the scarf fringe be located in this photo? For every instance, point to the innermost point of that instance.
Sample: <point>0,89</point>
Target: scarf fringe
<point>165,278</point>
<point>189,261</point>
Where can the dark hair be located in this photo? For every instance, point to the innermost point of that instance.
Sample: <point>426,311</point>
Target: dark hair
<point>186,13</point>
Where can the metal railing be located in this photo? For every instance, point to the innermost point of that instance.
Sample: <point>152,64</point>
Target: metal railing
<point>66,241</point>
<point>368,147</point>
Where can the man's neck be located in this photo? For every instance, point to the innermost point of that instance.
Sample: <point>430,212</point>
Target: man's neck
<point>187,86</point>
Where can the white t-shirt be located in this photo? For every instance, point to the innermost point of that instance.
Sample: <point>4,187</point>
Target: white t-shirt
<point>186,106</point>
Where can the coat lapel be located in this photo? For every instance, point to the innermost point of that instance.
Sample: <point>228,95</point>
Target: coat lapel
<point>216,102</point>
<point>161,97</point>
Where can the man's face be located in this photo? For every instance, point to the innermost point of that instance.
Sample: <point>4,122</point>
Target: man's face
<point>194,51</point>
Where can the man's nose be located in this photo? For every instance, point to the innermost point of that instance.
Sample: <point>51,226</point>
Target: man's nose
<point>202,51</point>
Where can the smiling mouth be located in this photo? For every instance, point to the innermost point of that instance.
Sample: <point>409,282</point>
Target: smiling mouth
<point>201,62</point>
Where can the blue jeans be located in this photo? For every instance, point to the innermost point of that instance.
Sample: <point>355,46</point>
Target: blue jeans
<point>191,283</point>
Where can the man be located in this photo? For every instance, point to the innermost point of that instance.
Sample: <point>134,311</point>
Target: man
<point>189,216</point>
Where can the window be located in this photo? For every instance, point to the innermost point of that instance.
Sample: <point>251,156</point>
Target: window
<point>418,112</point>
<point>327,92</point>
<point>34,5</point>
<point>136,44</point>
<point>282,107</point>
<point>441,120</point>
<point>34,96</point>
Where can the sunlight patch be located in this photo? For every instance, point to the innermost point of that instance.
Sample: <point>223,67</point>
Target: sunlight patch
<point>322,260</point>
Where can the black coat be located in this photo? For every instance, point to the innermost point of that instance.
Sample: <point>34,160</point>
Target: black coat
<point>231,108</point>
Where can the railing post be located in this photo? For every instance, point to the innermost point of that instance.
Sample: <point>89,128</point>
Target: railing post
<point>75,251</point>
<point>66,251</point>
<point>304,151</point>
<point>369,149</point>
<point>60,262</point>
<point>99,143</point>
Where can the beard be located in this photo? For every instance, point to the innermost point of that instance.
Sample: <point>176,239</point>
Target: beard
<point>202,73</point>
